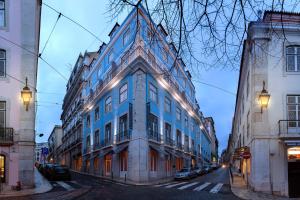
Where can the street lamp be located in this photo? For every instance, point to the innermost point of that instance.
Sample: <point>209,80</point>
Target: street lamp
<point>264,98</point>
<point>26,95</point>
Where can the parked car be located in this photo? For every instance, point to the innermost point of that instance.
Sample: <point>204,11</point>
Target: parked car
<point>46,169</point>
<point>199,170</point>
<point>185,173</point>
<point>207,169</point>
<point>59,173</point>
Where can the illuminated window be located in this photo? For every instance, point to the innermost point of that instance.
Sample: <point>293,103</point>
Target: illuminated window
<point>108,104</point>
<point>294,153</point>
<point>123,93</point>
<point>153,92</point>
<point>2,61</point>
<point>293,59</point>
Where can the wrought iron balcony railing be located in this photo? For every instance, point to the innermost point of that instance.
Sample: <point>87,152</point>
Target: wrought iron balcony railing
<point>179,146</point>
<point>123,136</point>
<point>154,135</point>
<point>6,136</point>
<point>106,142</point>
<point>289,127</point>
<point>169,141</point>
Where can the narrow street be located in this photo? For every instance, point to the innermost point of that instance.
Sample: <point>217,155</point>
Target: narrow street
<point>214,185</point>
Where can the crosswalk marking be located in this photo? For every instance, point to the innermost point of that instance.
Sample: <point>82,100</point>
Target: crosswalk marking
<point>174,185</point>
<point>65,185</point>
<point>201,187</point>
<point>165,184</point>
<point>216,188</point>
<point>187,186</point>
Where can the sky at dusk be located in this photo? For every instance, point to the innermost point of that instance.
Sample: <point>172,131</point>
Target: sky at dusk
<point>68,40</point>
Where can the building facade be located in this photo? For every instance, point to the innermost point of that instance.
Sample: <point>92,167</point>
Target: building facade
<point>19,35</point>
<point>210,126</point>
<point>72,110</point>
<point>55,145</point>
<point>39,156</point>
<point>270,133</point>
<point>141,120</point>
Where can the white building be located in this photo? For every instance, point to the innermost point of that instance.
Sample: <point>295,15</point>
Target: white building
<point>39,156</point>
<point>54,144</point>
<point>19,40</point>
<point>271,55</point>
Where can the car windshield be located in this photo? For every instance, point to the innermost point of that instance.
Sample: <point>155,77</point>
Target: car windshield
<point>60,169</point>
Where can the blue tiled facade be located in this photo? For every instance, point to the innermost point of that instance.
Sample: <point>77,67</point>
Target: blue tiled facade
<point>140,117</point>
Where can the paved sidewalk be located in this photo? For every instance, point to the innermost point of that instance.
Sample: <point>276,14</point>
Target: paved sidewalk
<point>239,189</point>
<point>41,186</point>
<point>128,182</point>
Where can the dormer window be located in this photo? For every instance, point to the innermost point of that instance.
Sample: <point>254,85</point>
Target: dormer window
<point>293,59</point>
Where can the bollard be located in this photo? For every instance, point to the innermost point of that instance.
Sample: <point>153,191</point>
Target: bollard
<point>112,175</point>
<point>125,178</point>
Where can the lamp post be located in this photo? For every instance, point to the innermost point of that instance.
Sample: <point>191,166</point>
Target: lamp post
<point>264,98</point>
<point>26,95</point>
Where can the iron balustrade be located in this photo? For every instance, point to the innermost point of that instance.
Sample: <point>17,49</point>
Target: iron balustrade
<point>6,136</point>
<point>154,135</point>
<point>287,127</point>
<point>123,136</point>
<point>179,146</point>
<point>169,141</point>
<point>106,142</point>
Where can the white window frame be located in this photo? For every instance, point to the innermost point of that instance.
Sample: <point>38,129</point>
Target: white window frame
<point>3,111</point>
<point>178,113</point>
<point>3,59</point>
<point>168,104</point>
<point>123,91</point>
<point>296,105</point>
<point>110,56</point>
<point>3,10</point>
<point>153,92</point>
<point>108,104</point>
<point>295,55</point>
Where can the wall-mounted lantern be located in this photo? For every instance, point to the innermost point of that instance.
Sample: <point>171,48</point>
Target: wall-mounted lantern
<point>26,95</point>
<point>264,98</point>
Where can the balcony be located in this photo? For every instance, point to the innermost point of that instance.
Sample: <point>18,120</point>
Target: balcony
<point>123,136</point>
<point>124,61</point>
<point>179,146</point>
<point>6,136</point>
<point>106,142</point>
<point>154,136</point>
<point>289,129</point>
<point>169,141</point>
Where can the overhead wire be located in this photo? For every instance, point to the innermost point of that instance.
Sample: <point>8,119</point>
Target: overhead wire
<point>73,21</point>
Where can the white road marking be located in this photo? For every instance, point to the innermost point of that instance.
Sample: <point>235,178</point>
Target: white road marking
<point>174,185</point>
<point>65,185</point>
<point>201,187</point>
<point>216,188</point>
<point>164,184</point>
<point>187,186</point>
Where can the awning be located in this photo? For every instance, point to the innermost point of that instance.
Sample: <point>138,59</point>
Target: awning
<point>157,148</point>
<point>105,152</point>
<point>292,142</point>
<point>121,148</point>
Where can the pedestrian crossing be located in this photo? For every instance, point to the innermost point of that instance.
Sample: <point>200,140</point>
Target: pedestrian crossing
<point>213,188</point>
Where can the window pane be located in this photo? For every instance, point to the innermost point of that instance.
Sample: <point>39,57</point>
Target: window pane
<point>298,50</point>
<point>298,63</point>
<point>290,63</point>
<point>2,54</point>
<point>2,18</point>
<point>2,105</point>
<point>290,50</point>
<point>291,99</point>
<point>292,115</point>
<point>2,118</point>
